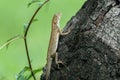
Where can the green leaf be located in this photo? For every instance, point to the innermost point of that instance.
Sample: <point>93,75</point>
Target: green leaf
<point>33,1</point>
<point>25,27</point>
<point>35,71</point>
<point>35,20</point>
<point>10,40</point>
<point>21,75</point>
<point>40,3</point>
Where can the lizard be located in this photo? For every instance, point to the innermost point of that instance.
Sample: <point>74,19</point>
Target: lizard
<point>53,43</point>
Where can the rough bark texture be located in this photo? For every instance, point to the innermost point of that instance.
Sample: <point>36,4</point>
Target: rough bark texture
<point>92,50</point>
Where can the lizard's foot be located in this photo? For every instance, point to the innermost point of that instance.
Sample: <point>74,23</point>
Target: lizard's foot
<point>58,61</point>
<point>65,33</point>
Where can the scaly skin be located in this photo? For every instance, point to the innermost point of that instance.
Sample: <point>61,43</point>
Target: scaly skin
<point>53,44</point>
<point>55,32</point>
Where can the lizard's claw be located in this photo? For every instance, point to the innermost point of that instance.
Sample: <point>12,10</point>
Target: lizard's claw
<point>60,62</point>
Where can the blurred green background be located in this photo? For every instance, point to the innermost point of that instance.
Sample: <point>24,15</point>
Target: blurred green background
<point>13,15</point>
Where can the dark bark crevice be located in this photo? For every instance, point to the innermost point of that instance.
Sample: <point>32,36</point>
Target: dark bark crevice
<point>92,49</point>
<point>117,2</point>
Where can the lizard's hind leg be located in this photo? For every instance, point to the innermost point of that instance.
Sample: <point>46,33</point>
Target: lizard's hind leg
<point>58,61</point>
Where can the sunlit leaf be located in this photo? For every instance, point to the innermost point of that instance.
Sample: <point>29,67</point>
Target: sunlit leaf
<point>33,1</point>
<point>10,40</point>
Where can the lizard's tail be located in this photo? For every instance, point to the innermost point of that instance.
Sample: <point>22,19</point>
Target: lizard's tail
<point>48,69</point>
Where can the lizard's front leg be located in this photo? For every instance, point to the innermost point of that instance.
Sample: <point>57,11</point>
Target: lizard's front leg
<point>63,33</point>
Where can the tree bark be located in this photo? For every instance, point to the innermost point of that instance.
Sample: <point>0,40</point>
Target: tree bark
<point>91,51</point>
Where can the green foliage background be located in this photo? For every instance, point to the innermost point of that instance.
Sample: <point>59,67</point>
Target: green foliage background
<point>13,15</point>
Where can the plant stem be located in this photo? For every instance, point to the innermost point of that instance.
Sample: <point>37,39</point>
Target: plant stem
<point>28,57</point>
<point>34,17</point>
<point>25,37</point>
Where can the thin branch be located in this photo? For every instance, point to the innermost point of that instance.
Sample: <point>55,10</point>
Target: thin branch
<point>11,40</point>
<point>34,17</point>
<point>28,57</point>
<point>25,39</point>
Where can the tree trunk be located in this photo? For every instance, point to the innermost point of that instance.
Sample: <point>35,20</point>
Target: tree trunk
<point>91,51</point>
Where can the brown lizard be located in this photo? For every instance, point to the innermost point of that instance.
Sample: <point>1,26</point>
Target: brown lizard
<point>53,44</point>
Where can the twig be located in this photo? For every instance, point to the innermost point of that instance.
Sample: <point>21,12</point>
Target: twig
<point>25,39</point>
<point>34,17</point>
<point>11,40</point>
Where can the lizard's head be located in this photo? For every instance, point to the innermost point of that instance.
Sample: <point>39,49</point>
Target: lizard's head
<point>56,18</point>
